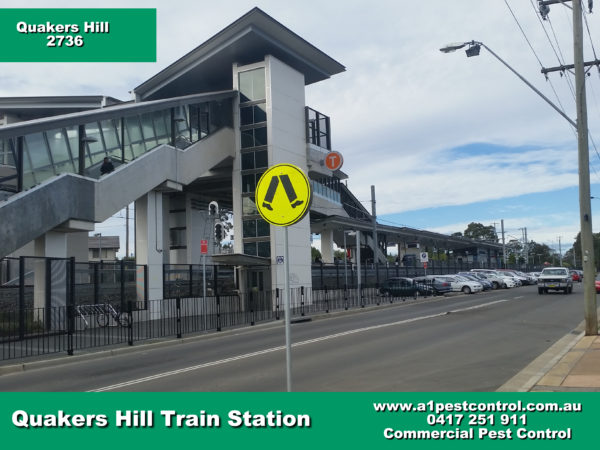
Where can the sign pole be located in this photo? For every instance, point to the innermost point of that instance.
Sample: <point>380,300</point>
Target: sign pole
<point>283,197</point>
<point>286,297</point>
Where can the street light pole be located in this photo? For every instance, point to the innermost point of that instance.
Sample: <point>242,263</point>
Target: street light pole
<point>453,47</point>
<point>587,241</point>
<point>585,207</point>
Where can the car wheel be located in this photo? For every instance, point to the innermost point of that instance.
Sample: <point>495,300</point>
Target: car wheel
<point>495,285</point>
<point>466,290</point>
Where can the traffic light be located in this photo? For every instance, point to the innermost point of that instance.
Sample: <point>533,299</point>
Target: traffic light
<point>219,231</point>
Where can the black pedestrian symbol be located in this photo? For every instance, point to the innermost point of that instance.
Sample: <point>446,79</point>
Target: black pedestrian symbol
<point>289,191</point>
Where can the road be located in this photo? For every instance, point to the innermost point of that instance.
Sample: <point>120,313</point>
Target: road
<point>460,343</point>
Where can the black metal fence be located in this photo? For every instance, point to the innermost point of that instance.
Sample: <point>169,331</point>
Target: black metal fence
<point>28,331</point>
<point>337,276</point>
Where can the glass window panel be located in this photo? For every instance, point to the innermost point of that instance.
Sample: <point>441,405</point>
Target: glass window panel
<point>161,120</point>
<point>261,158</point>
<point>260,113</point>
<point>248,161</point>
<point>63,163</point>
<point>249,228</point>
<point>247,139</point>
<point>262,228</point>
<point>250,248</point>
<point>252,85</point>
<point>132,125</point>
<point>111,137</point>
<point>93,144</point>
<point>249,206</point>
<point>260,136</point>
<point>148,130</point>
<point>246,117</point>
<point>258,84</point>
<point>248,183</point>
<point>264,249</point>
<point>38,152</point>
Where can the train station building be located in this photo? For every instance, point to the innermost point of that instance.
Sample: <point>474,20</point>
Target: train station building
<point>189,147</point>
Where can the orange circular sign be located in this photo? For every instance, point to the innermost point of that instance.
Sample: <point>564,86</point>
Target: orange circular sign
<point>334,160</point>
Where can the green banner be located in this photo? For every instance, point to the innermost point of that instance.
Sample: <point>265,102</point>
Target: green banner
<point>78,35</point>
<point>301,420</point>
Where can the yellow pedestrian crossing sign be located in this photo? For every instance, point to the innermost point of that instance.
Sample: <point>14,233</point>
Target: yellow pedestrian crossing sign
<point>283,195</point>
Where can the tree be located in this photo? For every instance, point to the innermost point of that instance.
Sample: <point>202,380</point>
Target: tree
<point>315,254</point>
<point>577,247</point>
<point>539,253</point>
<point>457,234</point>
<point>480,232</point>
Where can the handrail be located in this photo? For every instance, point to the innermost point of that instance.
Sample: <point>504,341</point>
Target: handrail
<point>109,112</point>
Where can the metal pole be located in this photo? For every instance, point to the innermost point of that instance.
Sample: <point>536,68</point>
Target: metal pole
<point>358,283</point>
<point>503,245</point>
<point>345,262</point>
<point>556,108</point>
<point>286,299</point>
<point>374,218</point>
<point>585,207</point>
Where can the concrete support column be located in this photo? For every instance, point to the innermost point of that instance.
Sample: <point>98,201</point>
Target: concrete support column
<point>149,244</point>
<point>327,246</point>
<point>50,245</point>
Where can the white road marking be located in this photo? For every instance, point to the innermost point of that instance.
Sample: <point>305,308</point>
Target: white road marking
<point>282,347</point>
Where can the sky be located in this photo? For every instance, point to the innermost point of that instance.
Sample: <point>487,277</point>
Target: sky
<point>446,140</point>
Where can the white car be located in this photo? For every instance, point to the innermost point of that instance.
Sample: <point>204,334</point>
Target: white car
<point>497,278</point>
<point>460,284</point>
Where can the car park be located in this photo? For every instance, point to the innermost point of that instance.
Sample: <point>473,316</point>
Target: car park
<point>555,278</point>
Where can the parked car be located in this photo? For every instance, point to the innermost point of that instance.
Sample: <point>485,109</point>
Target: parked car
<point>399,287</point>
<point>519,279</point>
<point>497,278</point>
<point>597,286</point>
<point>487,285</point>
<point>438,286</point>
<point>460,284</point>
<point>575,275</point>
<point>555,278</point>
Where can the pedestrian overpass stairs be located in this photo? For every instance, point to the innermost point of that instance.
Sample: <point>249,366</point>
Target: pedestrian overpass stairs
<point>58,200</point>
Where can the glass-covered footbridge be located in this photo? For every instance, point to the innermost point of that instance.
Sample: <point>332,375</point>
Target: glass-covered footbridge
<point>32,152</point>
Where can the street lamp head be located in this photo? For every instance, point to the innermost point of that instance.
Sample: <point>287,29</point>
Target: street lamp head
<point>453,47</point>
<point>473,50</point>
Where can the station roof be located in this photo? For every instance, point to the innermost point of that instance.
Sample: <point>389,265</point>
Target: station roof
<point>28,108</point>
<point>247,40</point>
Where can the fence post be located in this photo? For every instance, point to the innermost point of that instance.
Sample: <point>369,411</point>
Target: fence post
<point>122,286</point>
<point>276,303</point>
<point>345,297</point>
<point>251,302</point>
<point>71,306</point>
<point>130,322</point>
<point>21,297</point>
<point>96,284</point>
<point>191,283</point>
<point>326,301</point>
<point>302,299</point>
<point>218,311</point>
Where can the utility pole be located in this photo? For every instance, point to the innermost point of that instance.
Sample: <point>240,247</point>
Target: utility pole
<point>559,252</point>
<point>503,245</point>
<point>374,216</point>
<point>585,207</point>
